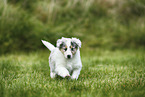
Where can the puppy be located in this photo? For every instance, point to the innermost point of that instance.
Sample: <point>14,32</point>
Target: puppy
<point>65,60</point>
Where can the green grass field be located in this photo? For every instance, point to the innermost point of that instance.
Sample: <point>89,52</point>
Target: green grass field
<point>116,25</point>
<point>105,73</point>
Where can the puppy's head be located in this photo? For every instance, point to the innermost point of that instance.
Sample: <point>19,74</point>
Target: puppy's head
<point>68,46</point>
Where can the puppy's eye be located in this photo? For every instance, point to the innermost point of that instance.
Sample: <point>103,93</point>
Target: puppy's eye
<point>65,49</point>
<point>72,49</point>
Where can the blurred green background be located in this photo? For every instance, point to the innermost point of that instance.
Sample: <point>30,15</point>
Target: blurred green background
<point>109,24</point>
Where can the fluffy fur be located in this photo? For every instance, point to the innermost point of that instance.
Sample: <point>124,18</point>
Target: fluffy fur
<point>64,60</point>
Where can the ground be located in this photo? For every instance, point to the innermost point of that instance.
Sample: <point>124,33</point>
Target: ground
<point>105,73</point>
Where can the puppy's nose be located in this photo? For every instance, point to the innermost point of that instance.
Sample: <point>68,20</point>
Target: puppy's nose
<point>68,56</point>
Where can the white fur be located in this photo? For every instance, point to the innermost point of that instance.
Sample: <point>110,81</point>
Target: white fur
<point>48,45</point>
<point>60,64</point>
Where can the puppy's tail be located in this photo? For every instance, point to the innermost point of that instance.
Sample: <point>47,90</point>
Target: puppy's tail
<point>48,45</point>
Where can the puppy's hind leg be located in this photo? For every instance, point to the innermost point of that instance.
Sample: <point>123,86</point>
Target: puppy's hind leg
<point>52,68</point>
<point>52,74</point>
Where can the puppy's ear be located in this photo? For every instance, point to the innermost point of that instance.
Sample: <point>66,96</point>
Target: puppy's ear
<point>60,42</point>
<point>77,41</point>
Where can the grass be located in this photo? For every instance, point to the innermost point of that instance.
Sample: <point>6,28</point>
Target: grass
<point>104,74</point>
<point>97,23</point>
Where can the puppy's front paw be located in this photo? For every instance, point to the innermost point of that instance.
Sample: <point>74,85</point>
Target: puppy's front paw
<point>67,77</point>
<point>64,74</point>
<point>74,77</point>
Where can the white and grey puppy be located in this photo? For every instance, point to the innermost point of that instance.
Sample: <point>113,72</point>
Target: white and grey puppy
<point>65,60</point>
